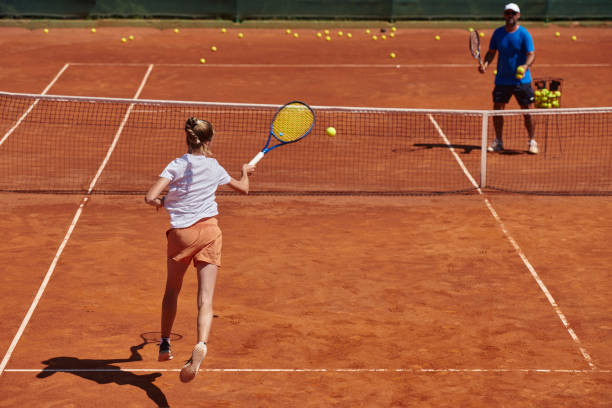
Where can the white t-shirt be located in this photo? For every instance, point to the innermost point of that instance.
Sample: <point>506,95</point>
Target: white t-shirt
<point>193,182</point>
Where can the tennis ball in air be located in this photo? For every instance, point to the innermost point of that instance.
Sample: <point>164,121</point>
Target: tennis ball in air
<point>574,38</point>
<point>331,132</point>
<point>224,30</point>
<point>557,34</point>
<point>202,60</point>
<point>392,55</point>
<point>240,35</point>
<point>93,30</point>
<point>213,48</point>
<point>437,37</point>
<point>176,31</point>
<point>123,39</point>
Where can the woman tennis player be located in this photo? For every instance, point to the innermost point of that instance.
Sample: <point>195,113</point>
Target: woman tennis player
<point>192,181</point>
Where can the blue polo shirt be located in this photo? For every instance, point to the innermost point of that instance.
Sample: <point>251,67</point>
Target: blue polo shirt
<point>512,51</point>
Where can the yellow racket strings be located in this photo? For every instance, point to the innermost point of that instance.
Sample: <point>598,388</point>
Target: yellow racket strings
<point>292,122</point>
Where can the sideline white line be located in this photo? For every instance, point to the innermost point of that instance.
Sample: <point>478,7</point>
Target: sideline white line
<point>75,219</point>
<point>27,112</point>
<point>319,370</point>
<point>519,251</point>
<point>247,65</point>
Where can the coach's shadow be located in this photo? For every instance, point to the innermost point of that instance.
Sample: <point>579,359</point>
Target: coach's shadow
<point>103,372</point>
<point>467,149</point>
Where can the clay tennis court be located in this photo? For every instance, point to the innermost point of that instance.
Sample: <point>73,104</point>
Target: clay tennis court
<point>468,299</point>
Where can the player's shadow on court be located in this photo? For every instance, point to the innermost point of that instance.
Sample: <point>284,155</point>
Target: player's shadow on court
<point>467,149</point>
<point>104,372</point>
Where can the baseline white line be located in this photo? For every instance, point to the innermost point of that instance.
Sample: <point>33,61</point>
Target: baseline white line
<point>519,251</point>
<point>60,250</point>
<point>27,112</point>
<point>320,370</point>
<point>248,65</point>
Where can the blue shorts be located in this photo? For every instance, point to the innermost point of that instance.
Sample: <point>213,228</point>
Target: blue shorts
<point>523,93</point>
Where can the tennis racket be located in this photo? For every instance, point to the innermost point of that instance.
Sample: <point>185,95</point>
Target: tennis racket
<point>475,46</point>
<point>292,122</point>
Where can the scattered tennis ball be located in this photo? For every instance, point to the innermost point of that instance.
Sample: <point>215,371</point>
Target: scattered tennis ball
<point>375,37</point>
<point>495,72</point>
<point>176,31</point>
<point>392,35</point>
<point>326,31</point>
<point>470,29</point>
<point>224,30</point>
<point>383,37</point>
<point>557,34</point>
<point>93,30</point>
<point>340,33</point>
<point>327,38</point>
<point>296,35</point>
<point>319,35</point>
<point>46,31</point>
<point>520,70</point>
<point>123,39</point>
<point>392,55</point>
<point>288,31</point>
<point>202,60</point>
<point>240,35</point>
<point>213,48</point>
<point>574,38</point>
<point>349,35</point>
<point>481,34</point>
<point>331,132</point>
<point>368,31</point>
<point>393,29</point>
<point>131,37</point>
<point>437,37</point>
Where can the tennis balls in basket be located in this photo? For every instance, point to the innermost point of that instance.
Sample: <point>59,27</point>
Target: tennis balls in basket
<point>331,132</point>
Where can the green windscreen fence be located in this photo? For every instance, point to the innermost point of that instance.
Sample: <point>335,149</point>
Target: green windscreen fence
<point>304,9</point>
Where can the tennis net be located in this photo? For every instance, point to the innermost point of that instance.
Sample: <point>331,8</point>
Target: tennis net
<point>64,144</point>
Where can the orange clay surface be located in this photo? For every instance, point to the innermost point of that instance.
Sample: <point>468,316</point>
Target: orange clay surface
<point>427,290</point>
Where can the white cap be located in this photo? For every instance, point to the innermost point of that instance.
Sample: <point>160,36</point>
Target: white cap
<point>513,7</point>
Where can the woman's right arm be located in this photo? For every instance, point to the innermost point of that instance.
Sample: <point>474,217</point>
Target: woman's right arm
<point>152,196</point>
<point>242,185</point>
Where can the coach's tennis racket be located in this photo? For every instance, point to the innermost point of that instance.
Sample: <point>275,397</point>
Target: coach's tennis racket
<point>291,123</point>
<point>475,46</point>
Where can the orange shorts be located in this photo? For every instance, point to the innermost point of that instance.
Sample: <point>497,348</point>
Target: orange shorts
<point>199,242</point>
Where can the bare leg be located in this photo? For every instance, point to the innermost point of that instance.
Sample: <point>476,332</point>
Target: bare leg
<point>174,282</point>
<point>207,277</point>
<point>498,121</point>
<point>529,122</point>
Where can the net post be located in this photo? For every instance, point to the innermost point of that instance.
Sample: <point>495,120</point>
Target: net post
<point>483,150</point>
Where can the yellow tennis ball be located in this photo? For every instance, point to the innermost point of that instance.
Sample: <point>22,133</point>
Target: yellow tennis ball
<point>340,33</point>
<point>519,76</point>
<point>368,31</point>
<point>288,31</point>
<point>328,38</point>
<point>213,48</point>
<point>557,34</point>
<point>46,31</point>
<point>93,30</point>
<point>383,37</point>
<point>393,29</point>
<point>392,55</point>
<point>326,31</point>
<point>240,35</point>
<point>224,30</point>
<point>574,38</point>
<point>520,70</point>
<point>437,37</point>
<point>392,35</point>
<point>331,132</point>
<point>349,35</point>
<point>131,37</point>
<point>375,37</point>
<point>481,34</point>
<point>176,31</point>
<point>470,29</point>
<point>202,60</point>
<point>296,35</point>
<point>123,39</point>
<point>495,72</point>
<point>319,35</point>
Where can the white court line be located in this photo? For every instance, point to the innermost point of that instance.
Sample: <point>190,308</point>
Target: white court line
<point>247,65</point>
<point>75,219</point>
<point>518,250</point>
<point>27,112</point>
<point>318,370</point>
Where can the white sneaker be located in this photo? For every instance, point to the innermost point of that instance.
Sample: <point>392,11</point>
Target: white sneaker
<point>496,146</point>
<point>533,147</point>
<point>190,370</point>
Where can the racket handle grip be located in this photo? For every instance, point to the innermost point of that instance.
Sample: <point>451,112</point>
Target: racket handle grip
<point>256,159</point>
